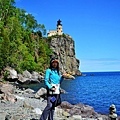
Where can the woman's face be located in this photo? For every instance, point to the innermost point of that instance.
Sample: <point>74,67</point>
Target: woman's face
<point>54,64</point>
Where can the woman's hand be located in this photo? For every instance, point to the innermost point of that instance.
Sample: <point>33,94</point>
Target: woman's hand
<point>64,75</point>
<point>53,88</point>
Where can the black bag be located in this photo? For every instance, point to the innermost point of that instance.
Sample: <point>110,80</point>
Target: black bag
<point>58,100</point>
<point>53,99</point>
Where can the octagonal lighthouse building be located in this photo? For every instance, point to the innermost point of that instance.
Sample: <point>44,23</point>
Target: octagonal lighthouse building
<point>59,30</point>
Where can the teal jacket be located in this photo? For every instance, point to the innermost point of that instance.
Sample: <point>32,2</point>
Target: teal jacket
<point>52,77</point>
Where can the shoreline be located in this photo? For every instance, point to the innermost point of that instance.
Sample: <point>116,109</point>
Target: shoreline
<point>27,107</point>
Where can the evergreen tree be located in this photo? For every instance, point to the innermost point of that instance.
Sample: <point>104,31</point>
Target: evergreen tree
<point>21,43</point>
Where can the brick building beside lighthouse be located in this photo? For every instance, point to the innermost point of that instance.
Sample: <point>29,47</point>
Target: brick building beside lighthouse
<point>58,31</point>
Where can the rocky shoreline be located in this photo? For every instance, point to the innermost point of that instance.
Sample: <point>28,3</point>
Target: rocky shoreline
<point>26,104</point>
<point>18,103</point>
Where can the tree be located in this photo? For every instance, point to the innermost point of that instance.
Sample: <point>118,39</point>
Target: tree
<point>21,43</point>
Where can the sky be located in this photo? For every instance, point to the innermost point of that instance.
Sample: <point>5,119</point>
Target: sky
<point>94,25</point>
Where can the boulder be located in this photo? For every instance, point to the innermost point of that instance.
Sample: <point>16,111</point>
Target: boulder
<point>63,47</point>
<point>23,80</point>
<point>27,105</point>
<point>9,97</point>
<point>5,88</point>
<point>13,74</point>
<point>35,75</point>
<point>66,105</point>
<point>68,76</point>
<point>2,115</point>
<point>27,78</point>
<point>41,92</point>
<point>77,117</point>
<point>29,91</point>
<point>37,111</point>
<point>65,114</point>
<point>10,74</point>
<point>27,74</point>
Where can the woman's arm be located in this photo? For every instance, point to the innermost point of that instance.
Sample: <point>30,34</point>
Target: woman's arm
<point>62,77</point>
<point>47,78</point>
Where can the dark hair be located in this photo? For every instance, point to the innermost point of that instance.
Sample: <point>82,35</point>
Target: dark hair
<point>51,67</point>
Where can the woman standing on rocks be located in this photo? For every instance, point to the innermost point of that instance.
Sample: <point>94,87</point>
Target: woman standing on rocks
<point>53,80</point>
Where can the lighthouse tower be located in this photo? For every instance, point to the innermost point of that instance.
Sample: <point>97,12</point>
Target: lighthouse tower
<point>58,31</point>
<point>59,28</point>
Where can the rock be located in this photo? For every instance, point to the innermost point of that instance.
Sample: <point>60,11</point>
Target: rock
<point>8,117</point>
<point>78,73</point>
<point>27,79</point>
<point>35,75</point>
<point>3,101</point>
<point>27,105</point>
<point>20,98</point>
<point>5,88</point>
<point>10,74</point>
<point>16,117</point>
<point>26,108</point>
<point>75,111</point>
<point>65,114</point>
<point>64,49</point>
<point>9,97</point>
<point>40,77</point>
<point>29,91</point>
<point>88,111</point>
<point>77,117</point>
<point>66,105</point>
<point>2,115</point>
<point>13,74</point>
<point>23,80</point>
<point>37,111</point>
<point>41,92</point>
<point>59,112</point>
<point>68,76</point>
<point>100,118</point>
<point>27,74</point>
<point>114,115</point>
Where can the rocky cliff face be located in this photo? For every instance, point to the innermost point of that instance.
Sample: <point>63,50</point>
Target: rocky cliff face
<point>64,48</point>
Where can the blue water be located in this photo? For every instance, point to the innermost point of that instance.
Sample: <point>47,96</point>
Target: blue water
<point>97,89</point>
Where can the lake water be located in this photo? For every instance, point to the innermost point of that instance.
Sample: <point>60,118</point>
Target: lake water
<point>97,89</point>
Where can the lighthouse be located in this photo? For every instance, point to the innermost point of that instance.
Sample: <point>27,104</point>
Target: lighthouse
<point>58,31</point>
<point>59,27</point>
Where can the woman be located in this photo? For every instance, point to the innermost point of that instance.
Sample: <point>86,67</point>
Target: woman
<point>52,81</point>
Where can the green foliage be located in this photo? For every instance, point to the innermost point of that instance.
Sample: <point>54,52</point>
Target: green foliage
<point>6,74</point>
<point>21,43</point>
<point>63,35</point>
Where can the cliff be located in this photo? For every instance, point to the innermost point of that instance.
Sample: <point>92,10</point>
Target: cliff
<point>64,48</point>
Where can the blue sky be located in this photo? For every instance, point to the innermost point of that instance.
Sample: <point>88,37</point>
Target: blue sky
<point>93,24</point>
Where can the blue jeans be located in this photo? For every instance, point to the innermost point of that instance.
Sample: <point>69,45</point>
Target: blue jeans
<point>49,110</point>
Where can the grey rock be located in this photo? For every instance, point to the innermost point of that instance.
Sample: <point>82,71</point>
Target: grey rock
<point>2,115</point>
<point>41,92</point>
<point>64,49</point>
<point>11,73</point>
<point>27,74</point>
<point>29,91</point>
<point>27,105</point>
<point>31,108</point>
<point>5,88</point>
